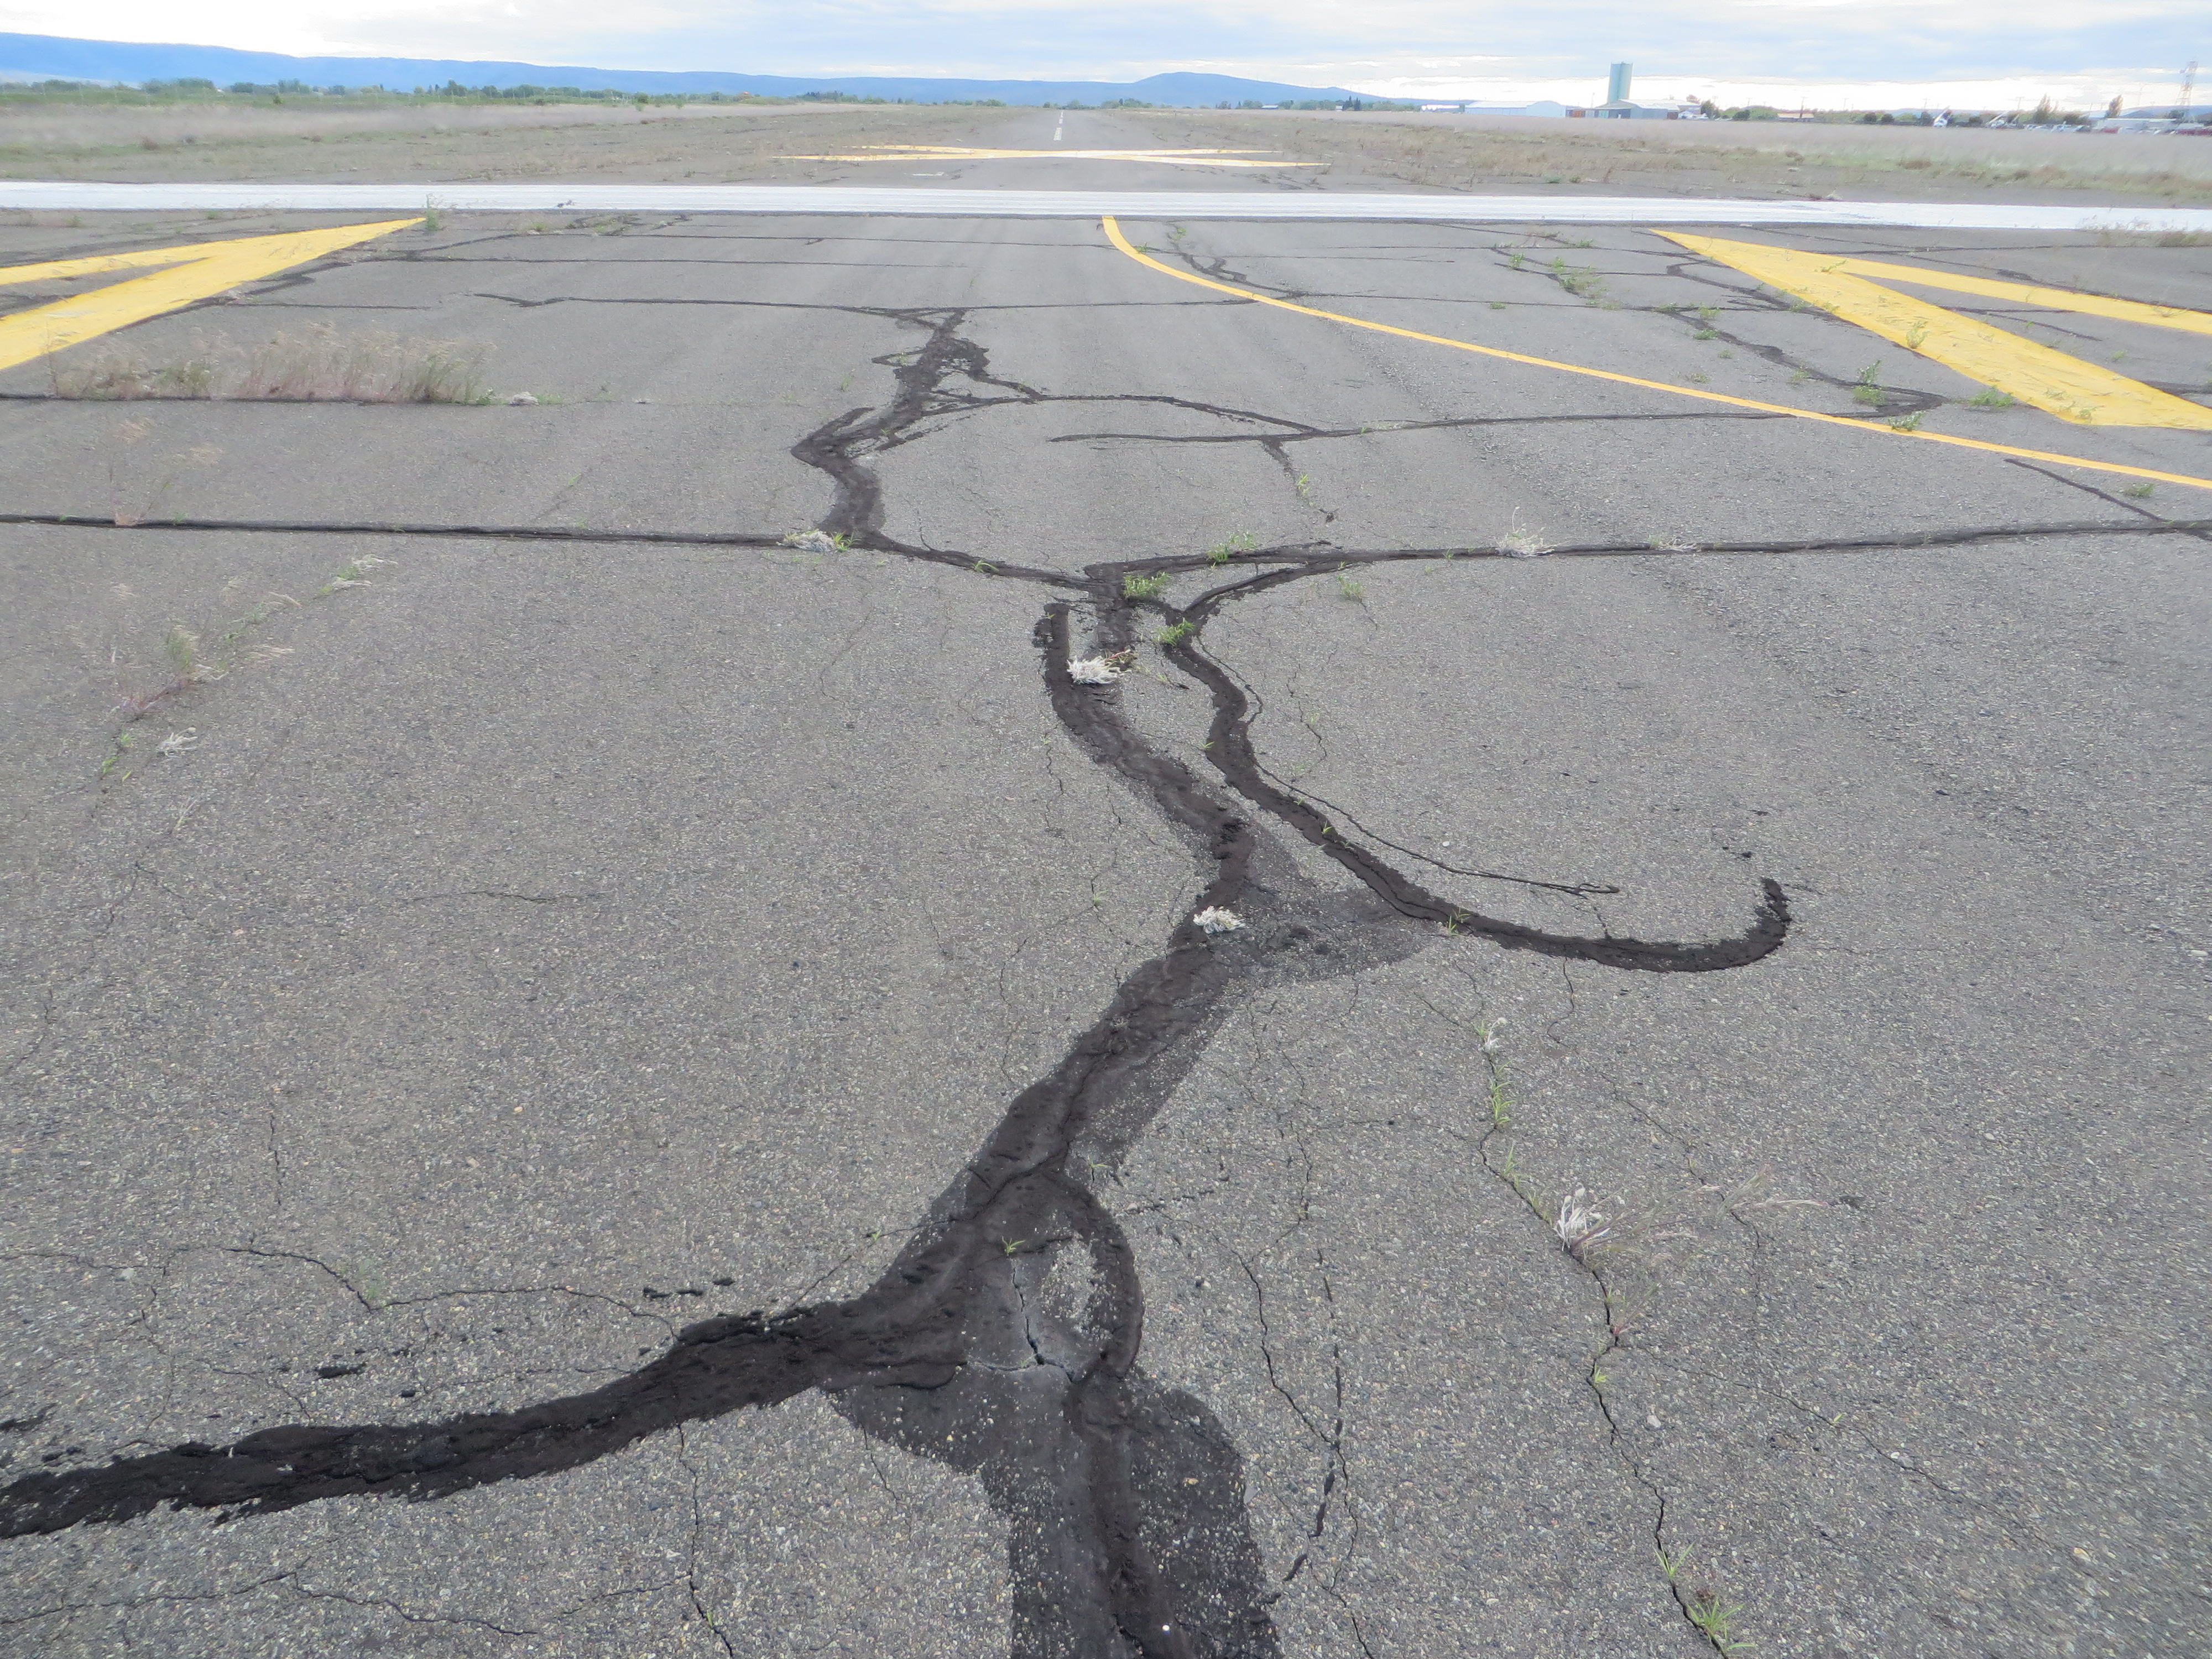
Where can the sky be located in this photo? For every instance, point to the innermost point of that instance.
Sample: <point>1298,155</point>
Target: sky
<point>1865,53</point>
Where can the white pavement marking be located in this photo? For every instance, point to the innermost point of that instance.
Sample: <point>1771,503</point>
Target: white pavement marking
<point>1078,205</point>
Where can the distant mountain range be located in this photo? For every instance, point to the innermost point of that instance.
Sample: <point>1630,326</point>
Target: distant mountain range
<point>42,57</point>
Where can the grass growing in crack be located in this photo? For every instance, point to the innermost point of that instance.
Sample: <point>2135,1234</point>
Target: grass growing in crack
<point>1501,1105</point>
<point>1134,586</point>
<point>1990,398</point>
<point>192,662</point>
<point>2141,492</point>
<point>226,646</point>
<point>122,747</point>
<point>1349,588</point>
<point>1867,389</point>
<point>182,647</point>
<point>1585,282</point>
<point>1242,542</point>
<point>317,365</point>
<point>1582,1227</point>
<point>1520,542</point>
<point>368,1284</point>
<point>1706,334</point>
<point>1914,336</point>
<point>1508,1168</point>
<point>1510,1172</point>
<point>128,434</point>
<point>1716,1618</point>
<point>1177,632</point>
<point>1584,1232</point>
<point>1907,423</point>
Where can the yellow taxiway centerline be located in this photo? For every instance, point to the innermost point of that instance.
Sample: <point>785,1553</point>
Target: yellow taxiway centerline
<point>1114,234</point>
<point>2053,381</point>
<point>199,271</point>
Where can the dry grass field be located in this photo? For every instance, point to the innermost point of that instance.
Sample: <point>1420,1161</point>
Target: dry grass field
<point>1717,158</point>
<point>300,142</point>
<point>303,142</point>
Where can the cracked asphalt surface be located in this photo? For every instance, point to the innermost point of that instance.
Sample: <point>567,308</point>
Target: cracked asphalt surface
<point>605,1081</point>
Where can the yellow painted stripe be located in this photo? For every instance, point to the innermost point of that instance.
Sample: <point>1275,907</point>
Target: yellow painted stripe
<point>2046,299</point>
<point>199,272</point>
<point>58,269</point>
<point>2086,393</point>
<point>1114,234</point>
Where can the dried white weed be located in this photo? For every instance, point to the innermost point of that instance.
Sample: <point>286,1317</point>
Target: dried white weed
<point>1101,670</point>
<point>1580,1225</point>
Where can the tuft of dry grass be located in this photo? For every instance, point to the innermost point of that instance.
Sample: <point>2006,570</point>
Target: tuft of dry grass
<point>2136,236</point>
<point>1523,541</point>
<point>318,365</point>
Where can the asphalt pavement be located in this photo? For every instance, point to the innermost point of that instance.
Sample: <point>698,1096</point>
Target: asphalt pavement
<point>968,944</point>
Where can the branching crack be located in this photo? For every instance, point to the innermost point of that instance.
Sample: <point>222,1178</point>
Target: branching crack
<point>1124,1499</point>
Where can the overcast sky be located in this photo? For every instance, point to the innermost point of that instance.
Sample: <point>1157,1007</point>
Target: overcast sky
<point>1409,47</point>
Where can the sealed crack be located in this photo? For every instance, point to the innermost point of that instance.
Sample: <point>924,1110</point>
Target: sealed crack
<point>1125,1500</point>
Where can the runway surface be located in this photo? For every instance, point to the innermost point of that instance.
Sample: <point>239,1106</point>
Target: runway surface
<point>950,201</point>
<point>1152,933</point>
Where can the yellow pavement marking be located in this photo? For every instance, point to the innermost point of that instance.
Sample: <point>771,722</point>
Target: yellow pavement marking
<point>2086,393</point>
<point>1114,234</point>
<point>2046,299</point>
<point>1174,158</point>
<point>200,270</point>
